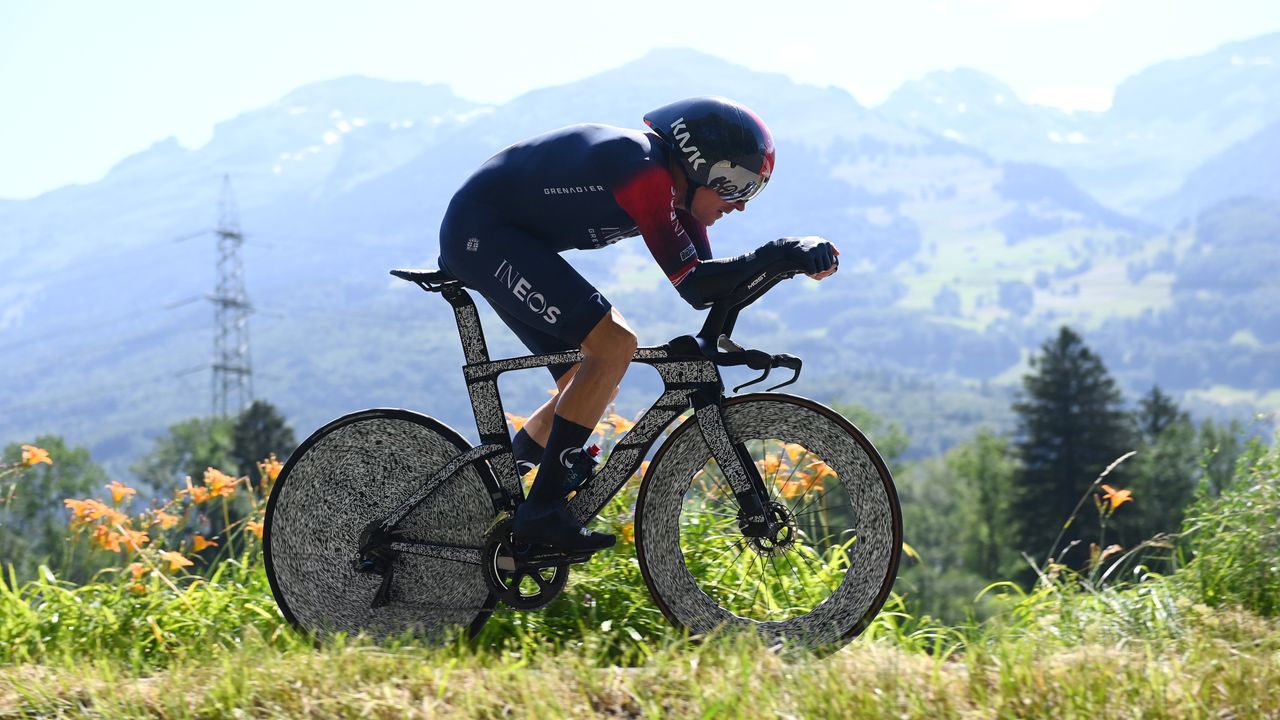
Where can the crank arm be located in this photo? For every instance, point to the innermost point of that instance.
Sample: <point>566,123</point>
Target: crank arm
<point>383,596</point>
<point>552,559</point>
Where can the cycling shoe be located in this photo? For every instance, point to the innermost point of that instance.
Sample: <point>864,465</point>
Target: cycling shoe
<point>556,528</point>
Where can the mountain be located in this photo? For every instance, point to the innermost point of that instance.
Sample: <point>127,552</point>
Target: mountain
<point>956,263</point>
<point>1163,122</point>
<point>977,109</point>
<point>1221,326</point>
<point>1250,168</point>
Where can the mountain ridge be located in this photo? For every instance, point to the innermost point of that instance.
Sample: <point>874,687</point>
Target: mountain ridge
<point>958,261</point>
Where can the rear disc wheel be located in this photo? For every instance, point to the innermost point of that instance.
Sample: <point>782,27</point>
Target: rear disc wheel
<point>355,470</point>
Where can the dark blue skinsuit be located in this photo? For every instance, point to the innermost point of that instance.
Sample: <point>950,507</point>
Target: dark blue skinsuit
<point>583,187</point>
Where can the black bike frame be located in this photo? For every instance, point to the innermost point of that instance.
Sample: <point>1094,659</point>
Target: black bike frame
<point>691,380</point>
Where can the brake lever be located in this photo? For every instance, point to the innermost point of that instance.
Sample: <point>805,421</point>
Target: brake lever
<point>757,380</point>
<point>790,362</point>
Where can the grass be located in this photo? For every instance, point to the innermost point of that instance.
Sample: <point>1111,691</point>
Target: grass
<point>213,648</point>
<point>1202,642</point>
<point>1226,666</point>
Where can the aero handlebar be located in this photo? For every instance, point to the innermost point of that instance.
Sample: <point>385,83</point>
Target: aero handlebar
<point>713,338</point>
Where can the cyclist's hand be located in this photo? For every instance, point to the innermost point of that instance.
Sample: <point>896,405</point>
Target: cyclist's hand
<point>818,258</point>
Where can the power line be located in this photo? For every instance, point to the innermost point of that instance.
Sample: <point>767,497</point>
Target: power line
<point>61,332</point>
<point>46,401</point>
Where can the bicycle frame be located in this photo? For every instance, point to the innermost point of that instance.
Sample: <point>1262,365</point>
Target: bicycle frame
<point>691,380</point>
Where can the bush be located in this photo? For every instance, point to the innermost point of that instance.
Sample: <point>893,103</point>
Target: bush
<point>1235,540</point>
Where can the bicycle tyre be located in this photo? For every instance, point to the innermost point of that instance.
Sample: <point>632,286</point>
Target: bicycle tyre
<point>856,568</point>
<point>358,468</point>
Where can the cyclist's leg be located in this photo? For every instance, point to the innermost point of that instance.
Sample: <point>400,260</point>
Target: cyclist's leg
<point>607,352</point>
<point>533,284</point>
<point>545,302</point>
<point>538,426</point>
<point>530,441</point>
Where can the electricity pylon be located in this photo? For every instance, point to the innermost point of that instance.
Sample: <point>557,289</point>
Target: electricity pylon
<point>232,368</point>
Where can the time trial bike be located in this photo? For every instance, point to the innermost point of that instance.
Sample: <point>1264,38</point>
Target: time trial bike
<point>764,511</point>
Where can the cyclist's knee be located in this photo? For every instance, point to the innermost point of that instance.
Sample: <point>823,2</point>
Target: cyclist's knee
<point>611,340</point>
<point>563,381</point>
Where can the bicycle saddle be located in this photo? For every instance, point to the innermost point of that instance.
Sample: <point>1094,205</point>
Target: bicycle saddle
<point>431,277</point>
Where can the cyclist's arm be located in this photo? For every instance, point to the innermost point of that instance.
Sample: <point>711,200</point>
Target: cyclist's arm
<point>710,280</point>
<point>679,243</point>
<point>676,240</point>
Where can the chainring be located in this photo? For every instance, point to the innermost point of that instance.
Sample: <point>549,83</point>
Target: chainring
<point>515,579</point>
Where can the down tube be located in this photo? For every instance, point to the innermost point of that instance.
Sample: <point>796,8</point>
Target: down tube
<point>682,378</point>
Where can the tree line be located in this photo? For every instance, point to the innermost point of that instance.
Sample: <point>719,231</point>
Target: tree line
<point>34,522</point>
<point>998,506</point>
<point>1007,506</point>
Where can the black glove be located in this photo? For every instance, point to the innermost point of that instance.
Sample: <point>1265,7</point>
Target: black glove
<point>713,279</point>
<point>811,254</point>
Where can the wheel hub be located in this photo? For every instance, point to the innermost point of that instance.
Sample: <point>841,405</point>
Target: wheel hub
<point>782,535</point>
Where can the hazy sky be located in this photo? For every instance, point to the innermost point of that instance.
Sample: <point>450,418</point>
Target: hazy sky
<point>84,84</point>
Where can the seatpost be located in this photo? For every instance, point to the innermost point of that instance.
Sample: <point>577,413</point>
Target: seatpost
<point>474,348</point>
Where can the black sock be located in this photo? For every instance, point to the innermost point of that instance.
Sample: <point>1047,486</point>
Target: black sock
<point>527,451</point>
<point>548,486</point>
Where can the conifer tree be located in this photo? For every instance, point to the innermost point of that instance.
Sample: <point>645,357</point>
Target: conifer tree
<point>1071,425</point>
<point>260,431</point>
<point>1165,471</point>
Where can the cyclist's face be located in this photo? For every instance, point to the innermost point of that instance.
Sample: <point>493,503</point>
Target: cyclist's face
<point>708,206</point>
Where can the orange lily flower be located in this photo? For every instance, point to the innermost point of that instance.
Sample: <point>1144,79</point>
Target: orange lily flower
<point>517,422</point>
<point>794,452</point>
<point>106,538</point>
<point>134,539</point>
<point>822,469</point>
<point>165,520</point>
<point>88,510</point>
<point>176,560</point>
<point>119,491</point>
<point>770,464</point>
<point>220,484</point>
<point>32,456</point>
<point>1116,497</point>
<point>198,493</point>
<point>271,467</point>
<point>619,423</point>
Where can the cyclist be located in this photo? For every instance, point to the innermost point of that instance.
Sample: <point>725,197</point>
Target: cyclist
<point>585,187</point>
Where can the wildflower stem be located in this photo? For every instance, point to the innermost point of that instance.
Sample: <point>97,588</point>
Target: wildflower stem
<point>1088,491</point>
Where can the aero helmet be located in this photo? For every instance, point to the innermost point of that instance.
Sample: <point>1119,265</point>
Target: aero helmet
<point>721,144</point>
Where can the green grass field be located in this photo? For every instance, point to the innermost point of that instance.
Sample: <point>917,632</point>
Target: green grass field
<point>1054,661</point>
<point>158,633</point>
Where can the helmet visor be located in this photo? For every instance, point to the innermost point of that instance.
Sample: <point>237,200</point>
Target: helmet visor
<point>736,183</point>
